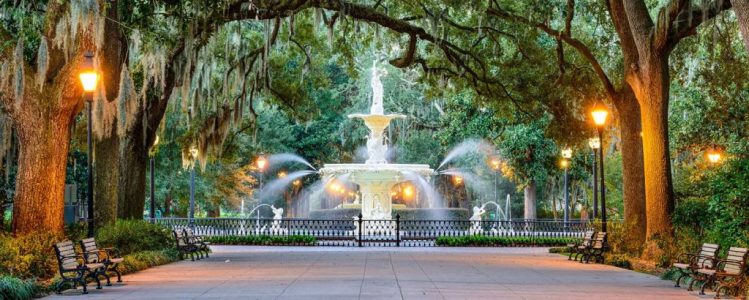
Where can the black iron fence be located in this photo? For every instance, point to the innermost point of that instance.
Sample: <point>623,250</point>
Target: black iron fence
<point>396,232</point>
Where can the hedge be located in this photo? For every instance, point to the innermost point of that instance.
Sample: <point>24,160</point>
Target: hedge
<point>495,241</point>
<point>264,240</point>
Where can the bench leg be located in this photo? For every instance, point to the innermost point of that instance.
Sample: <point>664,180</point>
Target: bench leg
<point>678,279</point>
<point>119,276</point>
<point>707,283</point>
<point>83,284</point>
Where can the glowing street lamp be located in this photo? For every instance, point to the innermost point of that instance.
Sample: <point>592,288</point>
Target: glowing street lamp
<point>495,164</point>
<point>282,174</point>
<point>714,155</point>
<point>595,144</point>
<point>89,78</point>
<point>565,163</point>
<point>261,163</point>
<point>599,114</point>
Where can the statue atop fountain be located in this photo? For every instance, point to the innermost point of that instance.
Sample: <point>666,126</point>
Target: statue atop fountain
<point>376,176</point>
<point>376,121</point>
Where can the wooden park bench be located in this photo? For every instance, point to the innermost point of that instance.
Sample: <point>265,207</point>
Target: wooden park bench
<point>201,246</point>
<point>596,249</point>
<point>687,263</point>
<point>728,274</point>
<point>578,248</point>
<point>73,267</point>
<point>110,257</point>
<point>184,247</point>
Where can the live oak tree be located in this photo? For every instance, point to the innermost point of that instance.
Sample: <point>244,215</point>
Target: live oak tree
<point>41,93</point>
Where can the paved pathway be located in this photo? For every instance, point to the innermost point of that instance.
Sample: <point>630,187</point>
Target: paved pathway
<point>239,272</point>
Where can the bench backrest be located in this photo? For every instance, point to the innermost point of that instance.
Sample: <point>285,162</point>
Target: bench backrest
<point>600,240</point>
<point>588,237</point>
<point>707,255</point>
<point>735,261</point>
<point>189,234</point>
<point>179,237</point>
<point>66,257</point>
<point>90,250</point>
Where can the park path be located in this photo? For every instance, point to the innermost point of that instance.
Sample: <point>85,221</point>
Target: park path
<point>244,272</point>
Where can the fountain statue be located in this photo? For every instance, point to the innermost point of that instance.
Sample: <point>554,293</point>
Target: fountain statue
<point>476,220</point>
<point>376,176</point>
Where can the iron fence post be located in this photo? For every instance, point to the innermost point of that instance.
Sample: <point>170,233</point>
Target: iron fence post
<point>360,228</point>
<point>398,230</point>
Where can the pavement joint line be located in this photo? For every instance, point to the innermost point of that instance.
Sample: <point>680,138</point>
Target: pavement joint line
<point>364,273</point>
<point>397,281</point>
<point>319,256</point>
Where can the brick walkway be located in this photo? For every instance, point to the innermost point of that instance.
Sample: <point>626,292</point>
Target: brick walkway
<point>239,272</point>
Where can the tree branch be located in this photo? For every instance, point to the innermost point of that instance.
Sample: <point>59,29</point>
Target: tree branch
<point>575,43</point>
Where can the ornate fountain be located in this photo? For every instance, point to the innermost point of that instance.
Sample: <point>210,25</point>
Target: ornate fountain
<point>376,176</point>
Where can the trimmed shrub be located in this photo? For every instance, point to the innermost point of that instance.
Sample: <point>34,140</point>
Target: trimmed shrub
<point>504,241</point>
<point>130,236</point>
<point>12,288</point>
<point>266,240</point>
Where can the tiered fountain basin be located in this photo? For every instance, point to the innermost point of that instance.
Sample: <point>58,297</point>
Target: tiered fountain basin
<point>375,182</point>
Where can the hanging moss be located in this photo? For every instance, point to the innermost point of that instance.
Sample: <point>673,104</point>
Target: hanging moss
<point>42,63</point>
<point>18,73</point>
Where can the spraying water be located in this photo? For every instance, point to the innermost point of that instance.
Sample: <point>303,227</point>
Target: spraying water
<point>277,159</point>
<point>466,147</point>
<point>279,185</point>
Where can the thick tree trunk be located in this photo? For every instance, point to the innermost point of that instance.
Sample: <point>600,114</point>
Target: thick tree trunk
<point>652,93</point>
<point>107,149</point>
<point>106,164</point>
<point>632,163</point>
<point>40,182</point>
<point>741,7</point>
<point>133,165</point>
<point>529,195</point>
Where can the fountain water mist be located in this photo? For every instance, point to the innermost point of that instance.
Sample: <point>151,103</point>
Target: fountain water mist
<point>468,146</point>
<point>278,185</point>
<point>281,158</point>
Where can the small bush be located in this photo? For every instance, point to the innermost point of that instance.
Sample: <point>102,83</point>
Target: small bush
<point>558,250</point>
<point>28,255</point>
<point>621,261</point>
<point>130,236</point>
<point>265,240</point>
<point>12,288</point>
<point>146,259</point>
<point>496,241</point>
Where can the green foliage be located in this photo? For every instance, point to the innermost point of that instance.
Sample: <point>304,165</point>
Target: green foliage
<point>528,152</point>
<point>728,207</point>
<point>493,241</point>
<point>145,259</point>
<point>29,255</point>
<point>130,236</point>
<point>264,240</point>
<point>12,288</point>
<point>620,260</point>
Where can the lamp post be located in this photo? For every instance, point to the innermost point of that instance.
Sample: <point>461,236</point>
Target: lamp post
<point>194,155</point>
<point>599,114</point>
<point>152,163</point>
<point>566,155</point>
<point>89,78</point>
<point>261,163</point>
<point>594,144</point>
<point>494,164</point>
